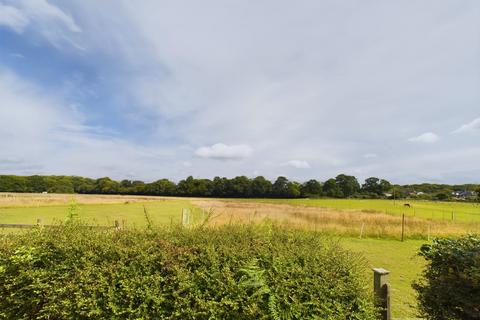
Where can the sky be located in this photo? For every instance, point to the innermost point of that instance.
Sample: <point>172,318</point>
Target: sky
<point>305,89</point>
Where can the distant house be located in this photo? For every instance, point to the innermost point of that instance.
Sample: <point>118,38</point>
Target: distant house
<point>463,194</point>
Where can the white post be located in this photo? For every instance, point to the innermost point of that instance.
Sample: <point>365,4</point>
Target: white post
<point>185,217</point>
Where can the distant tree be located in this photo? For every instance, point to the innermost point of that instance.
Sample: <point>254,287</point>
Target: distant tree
<point>332,189</point>
<point>162,187</point>
<point>195,187</point>
<point>36,184</point>
<point>311,188</point>
<point>347,184</point>
<point>219,187</point>
<point>106,186</point>
<point>280,187</point>
<point>126,183</point>
<point>375,185</point>
<point>60,184</point>
<point>241,187</point>
<point>442,196</point>
<point>293,189</point>
<point>9,183</point>
<point>261,187</point>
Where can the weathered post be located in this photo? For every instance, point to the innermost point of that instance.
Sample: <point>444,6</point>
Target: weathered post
<point>39,222</point>
<point>403,226</point>
<point>361,230</point>
<point>185,217</point>
<point>117,225</point>
<point>381,290</point>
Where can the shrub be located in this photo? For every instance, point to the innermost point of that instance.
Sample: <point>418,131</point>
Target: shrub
<point>233,272</point>
<point>450,288</point>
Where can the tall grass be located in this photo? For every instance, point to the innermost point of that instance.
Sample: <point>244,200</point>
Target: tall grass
<point>361,223</point>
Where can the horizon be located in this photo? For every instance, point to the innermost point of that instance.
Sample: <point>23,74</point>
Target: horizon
<point>321,181</point>
<point>165,89</point>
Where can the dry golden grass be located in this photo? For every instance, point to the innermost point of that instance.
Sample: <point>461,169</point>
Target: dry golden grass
<point>364,223</point>
<point>8,200</point>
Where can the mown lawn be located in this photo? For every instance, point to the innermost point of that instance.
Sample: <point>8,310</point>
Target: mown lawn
<point>401,259</point>
<point>160,212</point>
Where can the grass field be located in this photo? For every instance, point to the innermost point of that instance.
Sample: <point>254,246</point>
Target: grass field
<point>378,221</point>
<point>401,259</point>
<point>97,210</point>
<point>436,210</point>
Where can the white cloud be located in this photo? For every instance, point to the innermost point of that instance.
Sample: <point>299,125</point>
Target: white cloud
<point>370,155</point>
<point>42,18</point>
<point>42,135</point>
<point>42,11</point>
<point>222,151</point>
<point>314,80</point>
<point>427,137</point>
<point>13,18</point>
<point>472,127</point>
<point>299,164</point>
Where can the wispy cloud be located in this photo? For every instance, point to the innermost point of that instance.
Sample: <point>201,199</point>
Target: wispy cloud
<point>12,18</point>
<point>315,82</point>
<point>471,127</point>
<point>427,137</point>
<point>40,17</point>
<point>299,164</point>
<point>222,151</point>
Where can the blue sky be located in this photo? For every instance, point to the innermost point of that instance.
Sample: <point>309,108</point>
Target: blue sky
<point>305,89</point>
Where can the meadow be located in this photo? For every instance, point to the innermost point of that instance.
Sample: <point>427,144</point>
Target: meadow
<point>92,209</point>
<point>435,210</point>
<point>369,227</point>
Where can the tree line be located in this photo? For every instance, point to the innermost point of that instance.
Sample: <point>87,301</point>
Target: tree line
<point>342,186</point>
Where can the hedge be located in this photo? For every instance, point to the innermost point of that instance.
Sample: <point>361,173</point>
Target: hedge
<point>450,286</point>
<point>231,272</point>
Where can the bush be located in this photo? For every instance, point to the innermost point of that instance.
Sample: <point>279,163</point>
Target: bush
<point>450,288</point>
<point>233,272</point>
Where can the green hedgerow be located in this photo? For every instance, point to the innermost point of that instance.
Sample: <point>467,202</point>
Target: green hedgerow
<point>231,272</point>
<point>450,287</point>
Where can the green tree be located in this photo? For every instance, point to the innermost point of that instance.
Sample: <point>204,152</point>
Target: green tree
<point>376,185</point>
<point>311,188</point>
<point>162,187</point>
<point>332,189</point>
<point>241,187</point>
<point>347,184</point>
<point>219,187</point>
<point>280,187</point>
<point>261,187</point>
<point>106,186</point>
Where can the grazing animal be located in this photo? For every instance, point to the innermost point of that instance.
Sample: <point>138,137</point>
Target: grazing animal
<point>407,205</point>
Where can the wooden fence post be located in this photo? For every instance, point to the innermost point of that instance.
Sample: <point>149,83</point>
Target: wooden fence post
<point>381,290</point>
<point>39,222</point>
<point>117,225</point>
